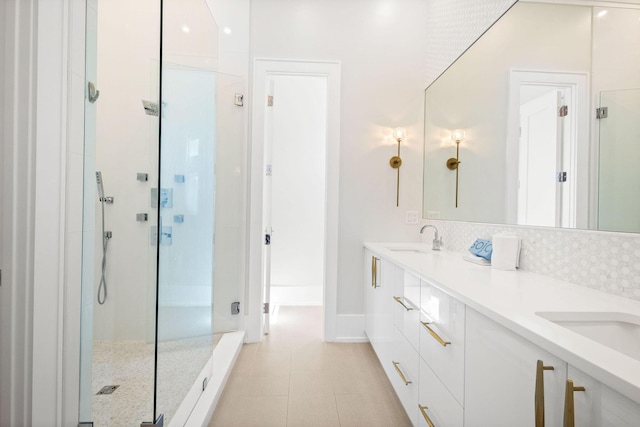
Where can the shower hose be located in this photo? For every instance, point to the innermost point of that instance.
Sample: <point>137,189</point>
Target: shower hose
<point>102,288</point>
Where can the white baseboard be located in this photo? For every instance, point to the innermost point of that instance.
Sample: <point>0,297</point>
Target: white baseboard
<point>296,295</point>
<point>350,328</point>
<point>224,357</point>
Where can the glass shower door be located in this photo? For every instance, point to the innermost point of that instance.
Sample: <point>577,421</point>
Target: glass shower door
<point>186,207</point>
<point>186,202</point>
<point>618,188</point>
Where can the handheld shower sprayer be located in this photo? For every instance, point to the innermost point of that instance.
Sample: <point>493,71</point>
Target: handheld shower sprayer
<point>100,187</point>
<point>106,235</point>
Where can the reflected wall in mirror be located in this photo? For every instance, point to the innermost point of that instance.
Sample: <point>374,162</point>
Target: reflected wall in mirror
<point>526,95</point>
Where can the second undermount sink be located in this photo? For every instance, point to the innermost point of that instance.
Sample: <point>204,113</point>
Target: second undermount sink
<point>618,331</point>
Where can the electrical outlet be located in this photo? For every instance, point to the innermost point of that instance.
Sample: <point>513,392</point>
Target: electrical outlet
<point>412,217</point>
<point>433,214</point>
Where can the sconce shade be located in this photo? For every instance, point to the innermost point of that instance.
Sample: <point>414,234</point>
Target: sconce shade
<point>399,134</point>
<point>457,135</point>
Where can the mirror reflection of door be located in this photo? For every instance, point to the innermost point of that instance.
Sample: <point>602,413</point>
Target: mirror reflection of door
<point>542,170</point>
<point>544,153</point>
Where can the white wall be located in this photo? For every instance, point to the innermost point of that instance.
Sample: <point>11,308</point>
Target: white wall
<point>381,47</point>
<point>474,95</point>
<point>299,141</point>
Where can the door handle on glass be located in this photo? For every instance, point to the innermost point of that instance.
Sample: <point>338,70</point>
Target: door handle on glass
<point>569,415</point>
<point>404,380</point>
<point>399,301</point>
<point>539,399</point>
<point>435,335</point>
<point>426,417</point>
<point>374,272</point>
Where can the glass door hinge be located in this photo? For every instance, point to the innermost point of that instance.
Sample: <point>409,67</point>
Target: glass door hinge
<point>159,422</point>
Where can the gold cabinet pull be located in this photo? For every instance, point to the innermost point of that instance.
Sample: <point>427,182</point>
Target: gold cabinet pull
<point>539,399</point>
<point>374,271</point>
<point>426,417</point>
<point>404,380</point>
<point>399,301</point>
<point>435,335</point>
<point>569,413</point>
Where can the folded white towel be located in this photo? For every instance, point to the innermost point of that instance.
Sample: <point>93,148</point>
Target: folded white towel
<point>476,259</point>
<point>506,251</point>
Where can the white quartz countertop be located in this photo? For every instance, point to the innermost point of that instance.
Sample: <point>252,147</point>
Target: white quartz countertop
<point>512,299</point>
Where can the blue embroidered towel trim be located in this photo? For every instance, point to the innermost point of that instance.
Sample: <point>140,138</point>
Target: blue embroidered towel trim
<point>482,248</point>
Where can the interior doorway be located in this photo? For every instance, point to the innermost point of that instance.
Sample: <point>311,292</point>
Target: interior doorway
<point>295,153</point>
<point>294,196</point>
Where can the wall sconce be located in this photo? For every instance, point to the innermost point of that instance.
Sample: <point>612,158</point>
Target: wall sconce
<point>453,163</point>
<point>398,134</point>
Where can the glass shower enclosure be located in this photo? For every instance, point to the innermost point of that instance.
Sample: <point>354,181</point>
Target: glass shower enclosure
<point>163,229</point>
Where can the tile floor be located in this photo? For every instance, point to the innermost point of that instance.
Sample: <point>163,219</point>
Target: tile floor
<point>294,379</point>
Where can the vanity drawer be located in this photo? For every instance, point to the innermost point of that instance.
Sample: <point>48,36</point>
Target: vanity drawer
<point>436,402</point>
<point>442,326</point>
<point>405,377</point>
<point>406,307</point>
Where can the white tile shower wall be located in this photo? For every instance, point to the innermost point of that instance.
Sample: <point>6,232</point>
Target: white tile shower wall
<point>608,262</point>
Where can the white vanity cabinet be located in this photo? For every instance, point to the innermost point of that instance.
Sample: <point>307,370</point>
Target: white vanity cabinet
<point>380,278</point>
<point>501,376</point>
<point>442,329</point>
<point>405,377</point>
<point>598,405</point>
<point>469,364</point>
<point>436,405</point>
<point>406,307</point>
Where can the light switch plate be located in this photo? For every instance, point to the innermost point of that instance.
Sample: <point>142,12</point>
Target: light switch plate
<point>412,217</point>
<point>433,214</point>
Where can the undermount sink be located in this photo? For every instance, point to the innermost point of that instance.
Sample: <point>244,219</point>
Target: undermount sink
<point>618,331</point>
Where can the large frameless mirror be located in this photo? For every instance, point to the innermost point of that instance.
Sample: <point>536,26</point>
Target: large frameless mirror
<point>548,103</point>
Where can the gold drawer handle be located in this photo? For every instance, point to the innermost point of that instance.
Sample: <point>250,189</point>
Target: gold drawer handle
<point>569,415</point>
<point>374,271</point>
<point>426,417</point>
<point>435,335</point>
<point>539,399</point>
<point>399,301</point>
<point>404,380</point>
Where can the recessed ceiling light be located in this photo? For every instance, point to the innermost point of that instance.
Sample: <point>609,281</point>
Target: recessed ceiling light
<point>227,30</point>
<point>602,13</point>
<point>185,29</point>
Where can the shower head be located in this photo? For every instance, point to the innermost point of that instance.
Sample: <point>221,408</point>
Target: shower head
<point>100,187</point>
<point>151,108</point>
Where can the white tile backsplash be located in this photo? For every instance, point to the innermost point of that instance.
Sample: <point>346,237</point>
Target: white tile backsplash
<point>605,261</point>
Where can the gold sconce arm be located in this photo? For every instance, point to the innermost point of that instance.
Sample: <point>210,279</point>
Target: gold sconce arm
<point>395,162</point>
<point>453,163</point>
